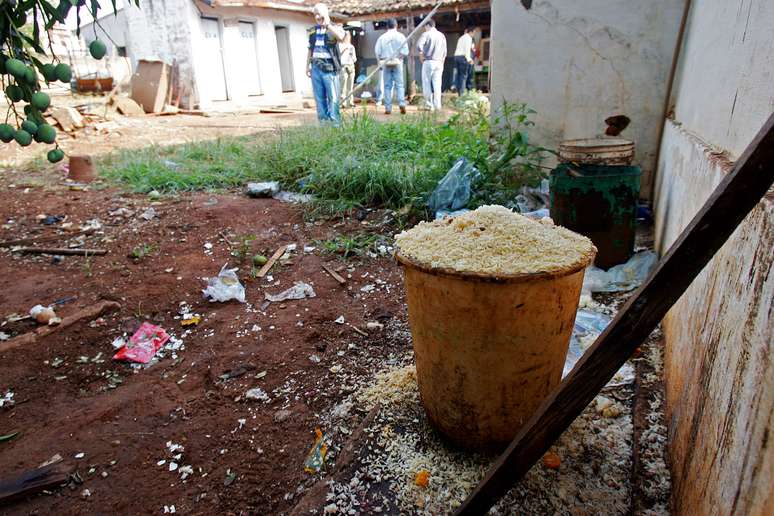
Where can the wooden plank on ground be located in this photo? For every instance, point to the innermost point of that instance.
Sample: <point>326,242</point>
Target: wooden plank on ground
<point>61,251</point>
<point>335,275</point>
<point>89,312</point>
<point>738,193</point>
<point>268,265</point>
<point>32,482</point>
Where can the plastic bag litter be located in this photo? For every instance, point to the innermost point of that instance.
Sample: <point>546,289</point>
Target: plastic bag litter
<point>532,199</point>
<point>225,286</point>
<point>316,456</point>
<point>293,197</point>
<point>453,191</point>
<point>445,213</point>
<point>588,326</point>
<point>298,291</point>
<point>620,278</point>
<point>266,189</point>
<point>143,345</point>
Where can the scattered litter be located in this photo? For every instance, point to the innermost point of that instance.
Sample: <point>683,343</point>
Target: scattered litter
<point>44,315</point>
<point>315,459</point>
<point>267,189</point>
<point>588,325</point>
<point>620,278</point>
<point>298,291</point>
<point>257,394</point>
<point>169,509</point>
<point>148,214</point>
<point>173,466</point>
<point>186,471</point>
<point>8,437</point>
<point>282,415</point>
<point>314,359</point>
<point>6,400</point>
<point>422,478</point>
<point>79,455</point>
<point>607,407</point>
<point>374,326</point>
<point>552,460</point>
<point>368,288</point>
<point>50,220</point>
<point>118,343</point>
<point>85,493</point>
<point>339,320</point>
<point>439,214</point>
<point>342,410</point>
<point>236,372</point>
<point>143,345</point>
<point>230,477</point>
<point>4,336</point>
<point>225,286</point>
<point>309,248</point>
<point>293,197</point>
<point>191,320</point>
<point>453,191</point>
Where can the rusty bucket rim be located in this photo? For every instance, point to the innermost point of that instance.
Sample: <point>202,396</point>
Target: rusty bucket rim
<point>522,277</point>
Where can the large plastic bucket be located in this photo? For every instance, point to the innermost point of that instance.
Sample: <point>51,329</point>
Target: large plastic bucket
<point>488,350</point>
<point>600,202</point>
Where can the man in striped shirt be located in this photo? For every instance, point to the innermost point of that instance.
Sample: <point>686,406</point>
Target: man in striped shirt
<point>323,65</point>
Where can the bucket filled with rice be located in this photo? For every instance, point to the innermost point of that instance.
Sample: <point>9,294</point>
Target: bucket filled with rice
<point>492,297</point>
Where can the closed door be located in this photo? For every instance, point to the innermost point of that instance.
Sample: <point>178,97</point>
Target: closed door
<point>249,58</point>
<point>213,83</point>
<point>285,61</point>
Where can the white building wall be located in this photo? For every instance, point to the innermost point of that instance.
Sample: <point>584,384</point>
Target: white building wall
<point>578,63</point>
<point>718,363</point>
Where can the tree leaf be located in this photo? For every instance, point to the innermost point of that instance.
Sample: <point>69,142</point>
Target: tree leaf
<point>4,438</point>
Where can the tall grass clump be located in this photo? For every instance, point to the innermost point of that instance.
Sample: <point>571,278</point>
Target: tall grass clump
<point>362,163</point>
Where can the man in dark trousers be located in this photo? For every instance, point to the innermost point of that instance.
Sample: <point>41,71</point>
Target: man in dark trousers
<point>463,59</point>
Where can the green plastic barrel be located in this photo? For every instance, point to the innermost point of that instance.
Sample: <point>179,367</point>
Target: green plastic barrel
<point>598,201</point>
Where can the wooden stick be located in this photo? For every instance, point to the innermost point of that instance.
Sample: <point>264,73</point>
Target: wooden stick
<point>61,250</point>
<point>87,313</point>
<point>335,275</point>
<point>268,265</point>
<point>34,481</point>
<point>36,240</point>
<point>736,195</point>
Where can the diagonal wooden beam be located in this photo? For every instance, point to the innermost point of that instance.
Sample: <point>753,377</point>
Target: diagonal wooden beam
<point>736,195</point>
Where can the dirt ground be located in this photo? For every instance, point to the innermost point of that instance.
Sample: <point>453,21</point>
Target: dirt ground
<point>121,427</point>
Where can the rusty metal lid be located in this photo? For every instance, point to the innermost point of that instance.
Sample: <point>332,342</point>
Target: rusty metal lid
<point>597,151</point>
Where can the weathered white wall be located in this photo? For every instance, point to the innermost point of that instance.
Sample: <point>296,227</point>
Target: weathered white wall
<point>578,63</point>
<point>265,21</point>
<point>718,362</point>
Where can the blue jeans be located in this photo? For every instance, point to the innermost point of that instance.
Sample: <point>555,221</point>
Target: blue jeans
<point>462,67</point>
<point>326,95</point>
<point>393,76</point>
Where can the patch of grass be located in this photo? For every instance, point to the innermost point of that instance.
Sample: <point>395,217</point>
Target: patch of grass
<point>351,245</point>
<point>142,251</point>
<point>362,163</point>
<point>242,247</point>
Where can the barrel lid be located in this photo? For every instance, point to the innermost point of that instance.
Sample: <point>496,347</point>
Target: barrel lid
<point>597,151</point>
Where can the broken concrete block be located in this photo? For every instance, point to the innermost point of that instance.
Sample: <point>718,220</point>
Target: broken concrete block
<point>262,189</point>
<point>128,107</point>
<point>68,118</point>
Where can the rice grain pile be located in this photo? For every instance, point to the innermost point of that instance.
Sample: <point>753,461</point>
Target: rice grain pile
<point>495,241</point>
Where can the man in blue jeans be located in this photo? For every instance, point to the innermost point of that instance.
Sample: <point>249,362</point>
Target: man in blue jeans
<point>323,65</point>
<point>391,48</point>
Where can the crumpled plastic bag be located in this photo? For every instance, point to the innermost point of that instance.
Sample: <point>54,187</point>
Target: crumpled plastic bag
<point>143,345</point>
<point>298,291</point>
<point>588,325</point>
<point>315,459</point>
<point>453,191</point>
<point>620,278</point>
<point>225,286</point>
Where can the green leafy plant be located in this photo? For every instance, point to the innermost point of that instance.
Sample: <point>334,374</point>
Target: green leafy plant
<point>23,60</point>
<point>142,251</point>
<point>241,249</point>
<point>351,245</point>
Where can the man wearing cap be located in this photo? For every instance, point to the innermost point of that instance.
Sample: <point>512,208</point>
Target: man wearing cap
<point>323,65</point>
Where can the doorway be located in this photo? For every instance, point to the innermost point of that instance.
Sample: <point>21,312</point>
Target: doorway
<point>213,84</point>
<point>285,59</point>
<point>247,49</point>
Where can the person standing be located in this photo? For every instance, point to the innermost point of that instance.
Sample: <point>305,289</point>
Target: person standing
<point>463,60</point>
<point>348,60</point>
<point>391,48</point>
<point>323,65</point>
<point>432,53</point>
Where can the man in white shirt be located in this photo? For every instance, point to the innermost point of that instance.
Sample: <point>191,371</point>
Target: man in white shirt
<point>463,59</point>
<point>432,53</point>
<point>391,48</point>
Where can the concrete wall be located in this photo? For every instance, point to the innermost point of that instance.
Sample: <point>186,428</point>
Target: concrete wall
<point>577,63</point>
<point>718,362</point>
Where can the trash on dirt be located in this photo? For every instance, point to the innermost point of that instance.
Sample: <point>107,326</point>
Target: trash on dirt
<point>121,212</point>
<point>538,214</point>
<point>4,336</point>
<point>368,288</point>
<point>422,478</point>
<point>191,320</point>
<point>282,415</point>
<point>50,220</point>
<point>315,459</point>
<point>588,325</point>
<point>44,315</point>
<point>552,460</point>
<point>453,191</point>
<point>256,394</point>
<point>374,326</point>
<point>148,214</point>
<point>620,278</point>
<point>339,320</point>
<point>300,290</point>
<point>531,199</point>
<point>6,400</point>
<point>607,407</point>
<point>143,345</point>
<point>230,477</point>
<point>8,437</point>
<point>225,286</point>
<point>293,197</point>
<point>236,372</point>
<point>91,225</point>
<point>446,213</point>
<point>267,189</point>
